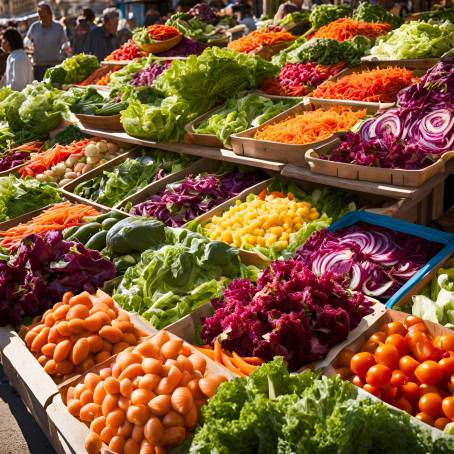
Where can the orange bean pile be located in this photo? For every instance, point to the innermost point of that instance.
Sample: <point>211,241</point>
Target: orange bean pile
<point>79,332</point>
<point>148,400</point>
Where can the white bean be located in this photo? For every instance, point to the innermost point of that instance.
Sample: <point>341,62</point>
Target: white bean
<point>91,150</point>
<point>92,159</point>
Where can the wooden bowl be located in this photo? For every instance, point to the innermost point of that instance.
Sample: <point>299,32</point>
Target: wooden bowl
<point>109,122</point>
<point>162,46</point>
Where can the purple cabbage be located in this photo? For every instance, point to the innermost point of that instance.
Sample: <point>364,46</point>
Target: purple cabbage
<point>43,269</point>
<point>290,312</point>
<point>183,201</point>
<point>147,76</point>
<point>370,259</point>
<point>13,159</point>
<point>203,12</point>
<point>184,48</point>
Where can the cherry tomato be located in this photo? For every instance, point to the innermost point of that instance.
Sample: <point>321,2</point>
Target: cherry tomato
<point>440,423</point>
<point>412,320</point>
<point>388,355</point>
<point>403,404</point>
<point>370,346</point>
<point>430,403</point>
<point>361,362</point>
<point>344,358</point>
<point>410,391</point>
<point>344,372</point>
<point>447,364</point>
<point>421,327</point>
<point>424,351</point>
<point>398,378</point>
<point>378,337</point>
<point>448,407</point>
<point>372,389</point>
<point>429,372</point>
<point>424,389</point>
<point>437,342</point>
<point>394,328</point>
<point>414,337</point>
<point>424,417</point>
<point>407,365</point>
<point>389,393</point>
<point>399,342</point>
<point>358,381</point>
<point>447,343</point>
<point>378,375</point>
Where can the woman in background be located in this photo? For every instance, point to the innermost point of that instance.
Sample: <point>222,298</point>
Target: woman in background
<point>19,69</point>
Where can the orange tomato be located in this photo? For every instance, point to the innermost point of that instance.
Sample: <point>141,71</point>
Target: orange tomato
<point>410,391</point>
<point>403,404</point>
<point>407,365</point>
<point>424,389</point>
<point>388,355</point>
<point>447,364</point>
<point>429,373</point>
<point>370,346</point>
<point>440,423</point>
<point>424,417</point>
<point>378,337</point>
<point>344,358</point>
<point>399,342</point>
<point>361,362</point>
<point>430,403</point>
<point>448,407</point>
<point>372,389</point>
<point>412,320</point>
<point>378,375</point>
<point>398,378</point>
<point>447,343</point>
<point>394,328</point>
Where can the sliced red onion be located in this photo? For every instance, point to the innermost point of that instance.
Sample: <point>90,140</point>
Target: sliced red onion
<point>437,123</point>
<point>356,277</point>
<point>379,291</point>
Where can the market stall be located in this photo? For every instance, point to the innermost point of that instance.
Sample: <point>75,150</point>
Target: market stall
<point>191,228</point>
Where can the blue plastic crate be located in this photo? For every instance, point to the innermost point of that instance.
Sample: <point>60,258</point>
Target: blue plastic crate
<point>405,227</point>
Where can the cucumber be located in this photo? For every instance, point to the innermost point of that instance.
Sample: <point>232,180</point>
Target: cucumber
<point>69,231</point>
<point>103,217</point>
<point>97,241</point>
<point>109,223</point>
<point>85,232</point>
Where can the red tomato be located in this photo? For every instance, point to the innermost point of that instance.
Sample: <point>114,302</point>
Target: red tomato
<point>447,364</point>
<point>424,417</point>
<point>372,389</point>
<point>424,351</point>
<point>447,343</point>
<point>344,358</point>
<point>378,375</point>
<point>378,337</point>
<point>403,404</point>
<point>399,342</point>
<point>430,403</point>
<point>358,381</point>
<point>361,362</point>
<point>398,378</point>
<point>429,373</point>
<point>412,320</point>
<point>389,393</point>
<point>407,365</point>
<point>410,391</point>
<point>448,407</point>
<point>394,328</point>
<point>440,423</point>
<point>388,355</point>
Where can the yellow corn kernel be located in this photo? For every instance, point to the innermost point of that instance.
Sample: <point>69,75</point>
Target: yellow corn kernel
<point>226,236</point>
<point>259,232</point>
<point>261,241</point>
<point>251,239</point>
<point>280,245</point>
<point>314,215</point>
<point>277,231</point>
<point>285,236</point>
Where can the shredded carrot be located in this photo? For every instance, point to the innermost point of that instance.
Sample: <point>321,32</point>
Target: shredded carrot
<point>256,39</point>
<point>57,217</point>
<point>206,351</point>
<point>228,362</point>
<point>43,161</point>
<point>345,29</point>
<point>311,126</point>
<point>32,147</point>
<point>371,85</point>
<point>217,351</point>
<point>242,365</point>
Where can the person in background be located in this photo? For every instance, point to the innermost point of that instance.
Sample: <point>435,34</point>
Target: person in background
<point>69,24</point>
<point>244,13</point>
<point>125,32</point>
<point>152,16</point>
<point>80,35</point>
<point>291,6</point>
<point>102,41</point>
<point>90,17</point>
<point>19,69</point>
<point>48,38</point>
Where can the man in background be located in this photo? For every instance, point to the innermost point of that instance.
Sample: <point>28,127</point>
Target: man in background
<point>80,35</point>
<point>291,6</point>
<point>47,37</point>
<point>90,17</point>
<point>103,40</point>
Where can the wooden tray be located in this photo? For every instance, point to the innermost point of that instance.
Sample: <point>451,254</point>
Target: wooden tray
<point>244,143</point>
<point>109,122</point>
<point>267,52</point>
<point>374,174</point>
<point>161,46</point>
<point>416,63</point>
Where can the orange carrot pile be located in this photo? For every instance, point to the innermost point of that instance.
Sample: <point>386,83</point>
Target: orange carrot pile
<point>235,363</point>
<point>31,147</point>
<point>376,85</point>
<point>254,40</point>
<point>311,126</point>
<point>43,161</point>
<point>57,217</point>
<point>100,77</point>
<point>345,28</point>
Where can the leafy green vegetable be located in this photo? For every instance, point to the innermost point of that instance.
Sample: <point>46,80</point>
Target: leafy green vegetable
<point>294,18</point>
<point>415,40</point>
<point>240,113</point>
<point>368,12</point>
<point>72,70</point>
<point>120,78</point>
<point>324,51</point>
<point>20,196</point>
<point>439,15</point>
<point>272,411</point>
<point>67,135</point>
<point>172,280</point>
<point>113,186</point>
<point>324,14</point>
<point>194,28</point>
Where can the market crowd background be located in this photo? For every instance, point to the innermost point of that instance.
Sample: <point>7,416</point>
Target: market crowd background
<point>100,35</point>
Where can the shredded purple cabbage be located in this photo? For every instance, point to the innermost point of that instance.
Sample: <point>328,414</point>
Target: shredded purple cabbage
<point>10,160</point>
<point>182,202</point>
<point>290,312</point>
<point>43,269</point>
<point>148,75</point>
<point>203,12</point>
<point>370,259</point>
<point>184,48</point>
